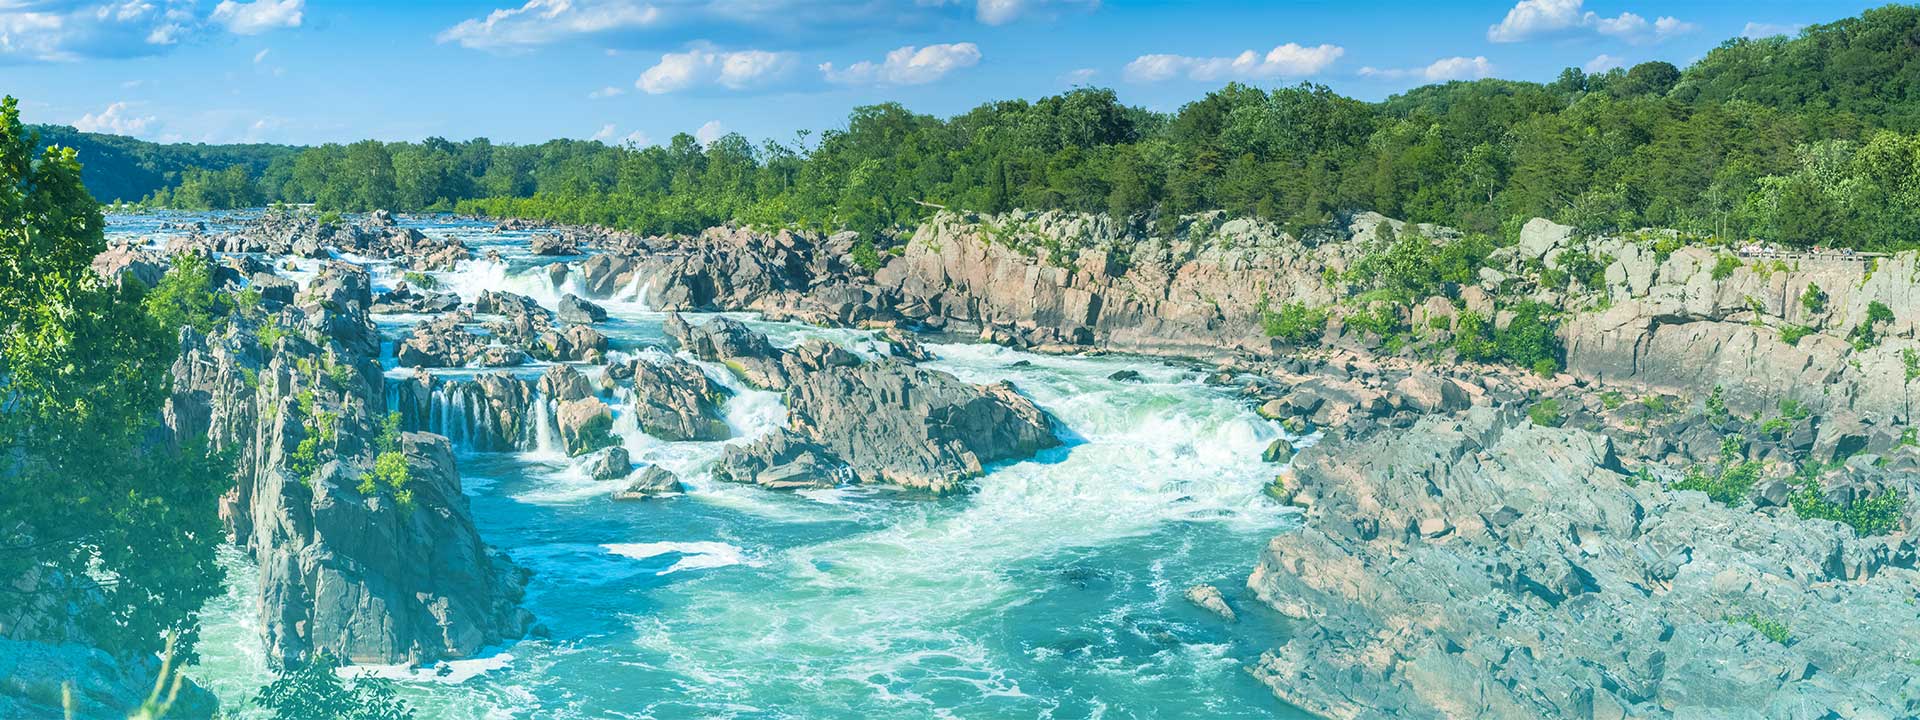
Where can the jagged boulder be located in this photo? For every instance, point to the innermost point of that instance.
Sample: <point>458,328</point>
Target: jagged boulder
<point>1477,565</point>
<point>654,481</point>
<point>553,244</point>
<point>673,400</point>
<point>781,461</point>
<point>586,425</point>
<point>576,311</point>
<point>918,428</point>
<point>733,344</point>
<point>608,464</point>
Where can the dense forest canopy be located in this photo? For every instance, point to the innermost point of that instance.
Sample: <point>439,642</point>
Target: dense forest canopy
<point>1813,139</point>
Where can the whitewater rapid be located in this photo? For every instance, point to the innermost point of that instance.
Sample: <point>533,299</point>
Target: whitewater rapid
<point>1053,589</point>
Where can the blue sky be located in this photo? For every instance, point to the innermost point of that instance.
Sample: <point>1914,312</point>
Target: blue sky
<point>295,71</point>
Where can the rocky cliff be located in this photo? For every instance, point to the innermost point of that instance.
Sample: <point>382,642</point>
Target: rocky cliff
<point>1482,566</point>
<point>375,564</point>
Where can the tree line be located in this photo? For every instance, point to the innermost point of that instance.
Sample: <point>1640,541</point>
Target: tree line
<point>1804,140</point>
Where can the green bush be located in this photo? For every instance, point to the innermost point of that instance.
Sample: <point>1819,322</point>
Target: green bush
<point>1295,322</point>
<point>1546,413</point>
<point>1728,482</point>
<point>1791,334</point>
<point>185,297</point>
<point>315,691</point>
<point>1773,629</point>
<point>865,255</point>
<point>1814,299</point>
<point>1724,266</point>
<point>1877,514</point>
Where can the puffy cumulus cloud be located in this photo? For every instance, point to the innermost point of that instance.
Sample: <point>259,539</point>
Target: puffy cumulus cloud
<point>701,66</point>
<point>1602,63</point>
<point>1081,76</point>
<point>57,31</point>
<point>1289,60</point>
<point>117,119</point>
<point>906,66</point>
<point>1442,70</point>
<point>1529,19</point>
<point>253,18</point>
<point>710,132</point>
<point>69,30</point>
<point>540,22</point>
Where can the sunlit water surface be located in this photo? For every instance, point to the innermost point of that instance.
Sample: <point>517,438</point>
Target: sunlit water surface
<point>1054,590</point>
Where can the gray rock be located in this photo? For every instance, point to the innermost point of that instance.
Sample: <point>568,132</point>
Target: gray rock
<point>674,400</point>
<point>653,482</point>
<point>1278,451</point>
<point>1209,598</point>
<point>1485,567</point>
<point>608,464</point>
<point>585,425</point>
<point>580,312</point>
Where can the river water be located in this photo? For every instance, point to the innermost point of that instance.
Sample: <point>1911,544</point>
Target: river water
<point>1053,590</point>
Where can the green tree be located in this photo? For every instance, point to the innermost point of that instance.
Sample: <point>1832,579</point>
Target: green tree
<point>314,691</point>
<point>94,515</point>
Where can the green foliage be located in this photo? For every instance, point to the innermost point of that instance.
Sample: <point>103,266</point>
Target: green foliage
<point>390,470</point>
<point>1867,334</point>
<point>96,517</point>
<point>1528,340</point>
<point>1612,399</point>
<point>1717,403</point>
<point>186,297</point>
<point>1771,629</point>
<point>865,256</point>
<point>1791,334</point>
<point>315,691</point>
<point>1296,322</point>
<point>1911,360</point>
<point>420,280</point>
<point>1724,266</point>
<point>1876,514</point>
<point>269,333</point>
<point>1727,482</point>
<point>1546,413</point>
<point>1814,299</point>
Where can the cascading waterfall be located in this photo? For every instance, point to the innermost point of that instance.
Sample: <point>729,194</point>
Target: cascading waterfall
<point>1052,590</point>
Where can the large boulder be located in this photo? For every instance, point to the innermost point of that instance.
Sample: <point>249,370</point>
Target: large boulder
<point>586,425</point>
<point>918,428</point>
<point>673,400</point>
<point>576,311</point>
<point>653,482</point>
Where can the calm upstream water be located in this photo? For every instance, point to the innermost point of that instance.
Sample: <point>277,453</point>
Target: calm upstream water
<point>1052,591</point>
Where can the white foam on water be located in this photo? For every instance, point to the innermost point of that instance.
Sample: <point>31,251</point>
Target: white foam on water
<point>699,555</point>
<point>450,672</point>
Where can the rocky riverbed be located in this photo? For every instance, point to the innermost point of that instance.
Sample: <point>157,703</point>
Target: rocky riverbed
<point>1025,527</point>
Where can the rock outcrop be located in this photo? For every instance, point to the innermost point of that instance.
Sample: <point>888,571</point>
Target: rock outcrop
<point>385,571</point>
<point>1481,566</point>
<point>882,421</point>
<point>671,399</point>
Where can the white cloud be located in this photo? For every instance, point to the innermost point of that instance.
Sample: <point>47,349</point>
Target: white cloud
<point>606,92</point>
<point>253,18</point>
<point>70,30</point>
<point>261,56</point>
<point>1757,30</point>
<point>710,132</point>
<point>906,66</point>
<point>1289,60</point>
<point>1529,19</point>
<point>610,135</point>
<point>540,22</point>
<point>1081,76</point>
<point>700,66</point>
<point>1602,63</point>
<point>1442,70</point>
<point>117,119</point>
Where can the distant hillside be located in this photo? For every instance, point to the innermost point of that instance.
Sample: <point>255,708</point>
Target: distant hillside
<point>124,168</point>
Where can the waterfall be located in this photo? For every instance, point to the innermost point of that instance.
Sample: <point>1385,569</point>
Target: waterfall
<point>546,433</point>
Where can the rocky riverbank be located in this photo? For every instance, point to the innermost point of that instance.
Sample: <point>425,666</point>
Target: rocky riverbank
<point>1702,512</point>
